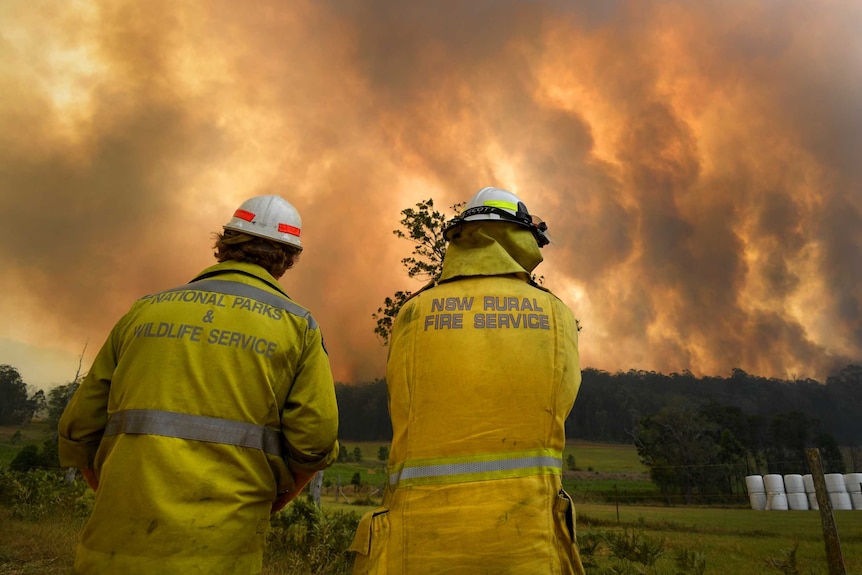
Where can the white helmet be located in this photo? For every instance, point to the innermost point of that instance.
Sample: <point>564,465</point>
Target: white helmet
<point>500,205</point>
<point>270,217</point>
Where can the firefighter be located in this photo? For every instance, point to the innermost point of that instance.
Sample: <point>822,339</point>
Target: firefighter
<point>482,372</point>
<point>210,406</point>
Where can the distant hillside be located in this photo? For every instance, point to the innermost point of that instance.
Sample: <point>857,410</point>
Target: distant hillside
<point>609,405</point>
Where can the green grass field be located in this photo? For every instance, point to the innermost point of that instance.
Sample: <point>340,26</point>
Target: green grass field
<point>13,438</point>
<point>730,539</point>
<point>734,540</point>
<point>604,457</point>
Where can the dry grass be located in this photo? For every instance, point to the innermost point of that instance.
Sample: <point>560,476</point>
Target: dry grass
<point>44,547</point>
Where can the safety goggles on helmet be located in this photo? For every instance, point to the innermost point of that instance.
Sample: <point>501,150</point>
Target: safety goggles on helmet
<point>500,210</point>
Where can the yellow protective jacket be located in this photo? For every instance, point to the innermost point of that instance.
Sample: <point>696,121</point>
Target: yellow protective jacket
<point>483,370</point>
<point>195,410</point>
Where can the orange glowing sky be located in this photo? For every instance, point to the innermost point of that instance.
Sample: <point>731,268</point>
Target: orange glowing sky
<point>699,164</point>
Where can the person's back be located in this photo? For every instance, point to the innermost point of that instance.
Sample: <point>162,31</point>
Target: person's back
<point>483,370</point>
<point>207,402</point>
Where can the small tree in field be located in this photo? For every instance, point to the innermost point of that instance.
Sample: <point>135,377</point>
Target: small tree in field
<point>383,453</point>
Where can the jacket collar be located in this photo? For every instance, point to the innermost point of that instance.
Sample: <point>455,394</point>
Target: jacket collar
<point>491,249</point>
<point>242,268</point>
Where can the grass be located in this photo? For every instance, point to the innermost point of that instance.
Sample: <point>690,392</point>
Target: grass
<point>734,540</point>
<point>730,539</point>
<point>13,438</point>
<point>606,472</point>
<point>44,547</point>
<point>604,457</point>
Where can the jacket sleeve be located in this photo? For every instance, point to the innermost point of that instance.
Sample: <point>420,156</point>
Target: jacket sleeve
<point>571,365</point>
<point>309,419</point>
<point>84,419</point>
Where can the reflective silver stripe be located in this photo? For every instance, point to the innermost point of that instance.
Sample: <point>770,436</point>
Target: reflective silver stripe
<point>250,292</point>
<point>196,427</point>
<point>451,471</point>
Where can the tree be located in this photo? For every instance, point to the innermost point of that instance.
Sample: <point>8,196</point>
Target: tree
<point>833,460</point>
<point>16,408</point>
<point>687,453</point>
<point>383,453</point>
<point>790,435</point>
<point>37,401</point>
<point>363,412</point>
<point>424,227</point>
<point>58,398</point>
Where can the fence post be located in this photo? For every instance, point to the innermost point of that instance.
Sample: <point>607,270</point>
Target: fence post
<point>316,486</point>
<point>834,557</point>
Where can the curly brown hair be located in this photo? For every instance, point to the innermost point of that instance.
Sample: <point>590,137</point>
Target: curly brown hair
<point>274,257</point>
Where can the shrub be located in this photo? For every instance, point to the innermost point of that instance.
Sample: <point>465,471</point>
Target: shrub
<point>37,493</point>
<point>31,457</point>
<point>383,453</point>
<point>611,552</point>
<point>304,540</point>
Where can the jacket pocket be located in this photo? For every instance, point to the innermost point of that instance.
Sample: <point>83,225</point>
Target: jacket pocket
<point>564,520</point>
<point>370,543</point>
<point>564,512</point>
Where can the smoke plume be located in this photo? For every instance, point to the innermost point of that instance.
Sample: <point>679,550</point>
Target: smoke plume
<point>697,163</point>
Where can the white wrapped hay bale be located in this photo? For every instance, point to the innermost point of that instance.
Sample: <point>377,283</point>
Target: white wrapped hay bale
<point>797,499</point>
<point>837,490</point>
<point>756,492</point>
<point>776,497</point>
<point>853,482</point>
<point>810,491</point>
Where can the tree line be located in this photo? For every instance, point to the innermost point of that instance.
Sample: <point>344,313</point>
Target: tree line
<point>609,406</point>
<point>20,402</point>
<point>698,436</point>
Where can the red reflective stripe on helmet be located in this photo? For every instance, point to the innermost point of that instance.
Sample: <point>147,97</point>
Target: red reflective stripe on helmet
<point>287,229</point>
<point>244,215</point>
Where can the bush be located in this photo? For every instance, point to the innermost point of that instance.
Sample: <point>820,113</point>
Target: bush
<point>31,457</point>
<point>37,493</point>
<point>612,552</point>
<point>383,453</point>
<point>307,541</point>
